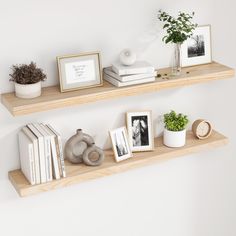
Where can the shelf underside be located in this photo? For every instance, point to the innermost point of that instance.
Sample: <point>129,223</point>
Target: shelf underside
<point>52,98</point>
<point>80,173</point>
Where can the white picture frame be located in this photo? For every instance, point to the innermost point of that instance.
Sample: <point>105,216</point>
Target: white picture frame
<point>197,49</point>
<point>120,144</point>
<point>79,71</point>
<point>140,131</point>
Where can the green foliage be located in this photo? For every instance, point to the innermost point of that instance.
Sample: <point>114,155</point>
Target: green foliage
<point>27,74</point>
<point>175,122</point>
<point>178,29</point>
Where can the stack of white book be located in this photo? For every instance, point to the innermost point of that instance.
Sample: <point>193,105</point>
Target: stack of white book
<point>138,73</point>
<point>41,154</point>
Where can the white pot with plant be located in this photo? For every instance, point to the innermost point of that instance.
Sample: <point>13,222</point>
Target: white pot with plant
<point>175,129</point>
<point>27,79</point>
<point>178,29</point>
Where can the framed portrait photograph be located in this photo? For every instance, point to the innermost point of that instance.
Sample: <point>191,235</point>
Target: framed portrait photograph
<point>120,144</point>
<point>79,71</point>
<point>140,131</point>
<point>197,49</point>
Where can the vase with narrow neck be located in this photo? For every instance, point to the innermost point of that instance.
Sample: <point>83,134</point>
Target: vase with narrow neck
<point>176,60</point>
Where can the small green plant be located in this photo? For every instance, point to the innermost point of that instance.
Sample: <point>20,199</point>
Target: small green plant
<point>175,122</point>
<point>27,74</point>
<point>178,29</point>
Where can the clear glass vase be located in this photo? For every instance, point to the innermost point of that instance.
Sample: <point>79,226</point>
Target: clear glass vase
<point>176,60</point>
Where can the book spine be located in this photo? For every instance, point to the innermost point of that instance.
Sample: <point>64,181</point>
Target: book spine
<point>60,150</point>
<point>32,165</point>
<point>63,168</point>
<point>42,161</point>
<point>37,166</point>
<point>113,81</point>
<point>48,158</point>
<point>54,159</point>
<point>136,71</point>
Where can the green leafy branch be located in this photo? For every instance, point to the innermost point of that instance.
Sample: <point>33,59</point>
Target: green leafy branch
<point>177,29</point>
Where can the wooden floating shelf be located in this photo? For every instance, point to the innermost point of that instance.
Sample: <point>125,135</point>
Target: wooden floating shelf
<point>52,98</point>
<point>80,173</point>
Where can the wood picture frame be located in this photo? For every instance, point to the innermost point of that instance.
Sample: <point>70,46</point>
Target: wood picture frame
<point>79,71</point>
<point>140,131</point>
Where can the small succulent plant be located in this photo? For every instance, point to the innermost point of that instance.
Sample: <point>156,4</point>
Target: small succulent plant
<point>27,74</point>
<point>175,122</point>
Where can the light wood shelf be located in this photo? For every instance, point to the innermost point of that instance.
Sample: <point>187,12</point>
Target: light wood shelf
<point>80,173</point>
<point>52,98</point>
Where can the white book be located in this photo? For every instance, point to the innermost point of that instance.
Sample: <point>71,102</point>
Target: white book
<point>59,150</point>
<point>55,164</point>
<point>127,78</point>
<point>34,140</point>
<point>139,67</point>
<point>117,83</point>
<point>47,151</point>
<point>27,157</point>
<point>42,159</point>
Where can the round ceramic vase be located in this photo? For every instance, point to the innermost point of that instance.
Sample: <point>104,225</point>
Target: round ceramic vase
<point>174,138</point>
<point>28,91</point>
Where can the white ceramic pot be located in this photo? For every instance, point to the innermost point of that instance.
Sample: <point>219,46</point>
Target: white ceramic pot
<point>174,138</point>
<point>28,90</point>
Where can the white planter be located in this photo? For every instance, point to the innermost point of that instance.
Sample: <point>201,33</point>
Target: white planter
<point>174,138</point>
<point>28,90</point>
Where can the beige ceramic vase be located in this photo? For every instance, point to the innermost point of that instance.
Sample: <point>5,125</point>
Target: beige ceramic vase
<point>76,145</point>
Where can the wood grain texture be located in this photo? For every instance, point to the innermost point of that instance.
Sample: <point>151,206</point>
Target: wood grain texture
<point>52,98</point>
<point>80,173</point>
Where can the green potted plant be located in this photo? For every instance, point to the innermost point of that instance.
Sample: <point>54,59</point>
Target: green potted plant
<point>175,129</point>
<point>178,29</point>
<point>27,79</point>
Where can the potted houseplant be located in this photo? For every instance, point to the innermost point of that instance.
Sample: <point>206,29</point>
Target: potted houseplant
<point>27,79</point>
<point>177,30</point>
<point>175,129</point>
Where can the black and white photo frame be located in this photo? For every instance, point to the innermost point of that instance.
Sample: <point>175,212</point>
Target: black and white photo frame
<point>120,144</point>
<point>197,49</point>
<point>140,131</point>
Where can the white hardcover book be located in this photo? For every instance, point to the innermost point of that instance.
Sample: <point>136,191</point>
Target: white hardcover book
<point>34,140</point>
<point>127,78</point>
<point>117,83</point>
<point>42,159</point>
<point>27,157</point>
<point>139,67</point>
<point>59,150</point>
<point>47,151</point>
<point>55,164</point>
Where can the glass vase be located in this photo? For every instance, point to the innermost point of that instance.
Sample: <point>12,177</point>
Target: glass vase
<point>176,60</point>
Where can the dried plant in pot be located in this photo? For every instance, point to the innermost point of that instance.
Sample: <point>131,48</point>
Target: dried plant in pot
<point>27,79</point>
<point>175,129</point>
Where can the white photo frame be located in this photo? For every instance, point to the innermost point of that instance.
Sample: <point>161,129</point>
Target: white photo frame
<point>79,71</point>
<point>197,49</point>
<point>120,144</point>
<point>140,131</point>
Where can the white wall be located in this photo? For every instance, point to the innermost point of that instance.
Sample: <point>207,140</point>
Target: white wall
<point>193,195</point>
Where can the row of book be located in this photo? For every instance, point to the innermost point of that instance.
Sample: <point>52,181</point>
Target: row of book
<point>138,73</point>
<point>41,153</point>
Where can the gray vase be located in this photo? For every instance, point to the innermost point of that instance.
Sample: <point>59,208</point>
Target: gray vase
<point>93,156</point>
<point>76,145</point>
